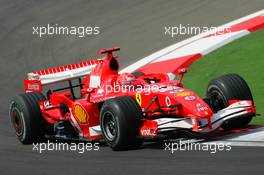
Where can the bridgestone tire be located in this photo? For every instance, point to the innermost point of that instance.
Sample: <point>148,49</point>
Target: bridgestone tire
<point>120,123</point>
<point>229,87</point>
<point>26,117</point>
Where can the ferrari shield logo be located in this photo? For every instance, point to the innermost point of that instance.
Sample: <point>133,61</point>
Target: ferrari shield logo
<point>138,98</point>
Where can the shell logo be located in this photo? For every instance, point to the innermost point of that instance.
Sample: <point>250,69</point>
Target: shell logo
<point>80,114</point>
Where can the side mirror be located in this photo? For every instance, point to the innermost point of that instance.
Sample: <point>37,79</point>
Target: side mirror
<point>181,72</point>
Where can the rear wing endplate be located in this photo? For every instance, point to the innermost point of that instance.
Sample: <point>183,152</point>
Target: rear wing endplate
<point>36,80</point>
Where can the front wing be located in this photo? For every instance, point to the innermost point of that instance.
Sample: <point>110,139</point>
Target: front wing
<point>238,109</point>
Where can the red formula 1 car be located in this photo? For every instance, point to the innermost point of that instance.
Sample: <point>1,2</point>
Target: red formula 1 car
<point>124,109</point>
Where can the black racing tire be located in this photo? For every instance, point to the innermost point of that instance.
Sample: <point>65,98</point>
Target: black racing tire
<point>120,121</point>
<point>138,74</point>
<point>26,118</point>
<point>229,87</point>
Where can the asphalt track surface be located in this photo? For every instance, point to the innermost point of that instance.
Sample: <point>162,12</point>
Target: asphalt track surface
<point>138,27</point>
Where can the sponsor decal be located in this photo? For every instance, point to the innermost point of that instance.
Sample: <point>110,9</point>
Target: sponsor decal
<point>176,91</point>
<point>243,103</point>
<point>80,114</point>
<point>190,97</point>
<point>138,98</point>
<point>33,87</point>
<point>168,101</point>
<point>100,92</point>
<point>200,107</point>
<point>47,104</point>
<point>183,94</point>
<point>95,81</point>
<point>148,132</point>
<point>165,88</point>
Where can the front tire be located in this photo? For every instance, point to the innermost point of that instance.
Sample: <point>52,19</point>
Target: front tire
<point>225,88</point>
<point>120,123</point>
<point>26,117</point>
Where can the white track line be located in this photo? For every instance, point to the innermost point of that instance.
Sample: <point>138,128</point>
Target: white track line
<point>248,138</point>
<point>208,44</point>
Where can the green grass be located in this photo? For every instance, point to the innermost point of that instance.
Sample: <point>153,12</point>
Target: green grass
<point>244,57</point>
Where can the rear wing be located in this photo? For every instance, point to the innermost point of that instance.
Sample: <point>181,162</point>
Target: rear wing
<point>36,80</point>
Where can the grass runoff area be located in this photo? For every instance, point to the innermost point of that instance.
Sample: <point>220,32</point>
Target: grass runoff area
<point>244,56</point>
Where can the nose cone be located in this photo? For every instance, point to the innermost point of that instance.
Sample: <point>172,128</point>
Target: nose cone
<point>192,104</point>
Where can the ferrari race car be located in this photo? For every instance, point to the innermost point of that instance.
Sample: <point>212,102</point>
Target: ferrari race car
<point>124,109</point>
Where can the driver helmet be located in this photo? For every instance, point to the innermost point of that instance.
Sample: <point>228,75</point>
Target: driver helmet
<point>125,79</point>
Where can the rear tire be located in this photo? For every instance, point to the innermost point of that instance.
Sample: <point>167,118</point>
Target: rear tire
<point>120,123</point>
<point>26,117</point>
<point>225,88</point>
